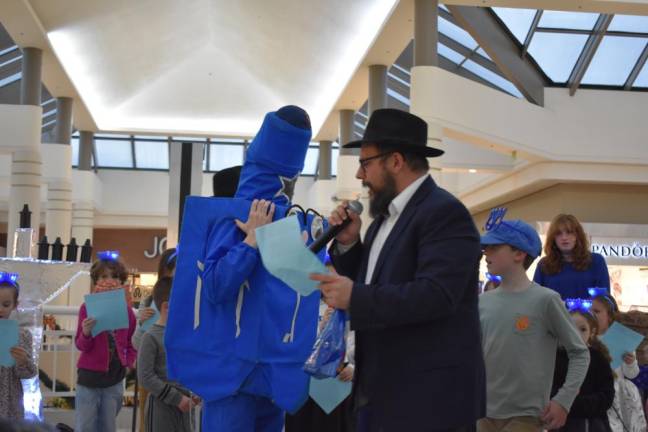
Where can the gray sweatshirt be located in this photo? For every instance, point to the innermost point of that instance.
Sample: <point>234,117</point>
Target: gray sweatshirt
<point>152,370</point>
<point>520,334</point>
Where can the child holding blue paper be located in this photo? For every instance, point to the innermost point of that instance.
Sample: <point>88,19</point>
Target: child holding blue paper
<point>11,393</point>
<point>626,414</point>
<point>103,358</point>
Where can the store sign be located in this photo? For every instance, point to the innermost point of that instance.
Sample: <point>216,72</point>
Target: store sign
<point>158,248</point>
<point>622,251</point>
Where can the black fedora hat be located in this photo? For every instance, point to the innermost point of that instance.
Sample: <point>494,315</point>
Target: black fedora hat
<point>399,129</point>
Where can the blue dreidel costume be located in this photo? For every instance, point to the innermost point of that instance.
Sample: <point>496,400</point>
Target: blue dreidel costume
<point>236,335</point>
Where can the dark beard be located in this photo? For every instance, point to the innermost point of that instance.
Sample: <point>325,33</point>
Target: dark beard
<point>379,202</point>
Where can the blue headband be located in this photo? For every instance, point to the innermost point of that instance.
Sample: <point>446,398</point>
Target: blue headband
<point>493,278</point>
<point>108,256</point>
<point>596,291</point>
<point>9,278</point>
<point>602,293</point>
<point>579,305</point>
<point>173,255</point>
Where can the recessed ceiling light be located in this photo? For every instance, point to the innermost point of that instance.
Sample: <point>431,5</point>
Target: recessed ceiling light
<point>472,171</point>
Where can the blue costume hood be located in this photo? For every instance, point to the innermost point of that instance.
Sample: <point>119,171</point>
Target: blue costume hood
<point>274,160</point>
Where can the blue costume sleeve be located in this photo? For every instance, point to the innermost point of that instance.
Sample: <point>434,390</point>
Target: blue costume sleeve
<point>228,264</point>
<point>600,270</point>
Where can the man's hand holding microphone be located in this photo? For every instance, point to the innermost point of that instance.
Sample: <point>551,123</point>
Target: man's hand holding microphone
<point>345,222</point>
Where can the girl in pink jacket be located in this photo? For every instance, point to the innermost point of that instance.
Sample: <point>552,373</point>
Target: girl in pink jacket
<point>103,358</point>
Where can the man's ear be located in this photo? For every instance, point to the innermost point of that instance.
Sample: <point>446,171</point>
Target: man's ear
<point>398,161</point>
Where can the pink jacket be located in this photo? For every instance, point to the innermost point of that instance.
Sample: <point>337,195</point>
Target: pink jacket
<point>94,350</point>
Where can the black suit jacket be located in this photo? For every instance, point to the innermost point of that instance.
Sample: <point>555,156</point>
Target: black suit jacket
<point>418,340</point>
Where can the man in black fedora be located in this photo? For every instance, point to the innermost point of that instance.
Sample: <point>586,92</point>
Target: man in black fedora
<point>410,288</point>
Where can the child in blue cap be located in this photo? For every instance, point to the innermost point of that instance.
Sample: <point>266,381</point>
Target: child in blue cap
<point>522,325</point>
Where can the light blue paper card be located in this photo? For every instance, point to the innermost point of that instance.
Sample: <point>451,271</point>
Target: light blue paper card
<point>109,309</point>
<point>8,340</point>
<point>149,322</point>
<point>619,340</point>
<point>286,257</point>
<point>328,393</point>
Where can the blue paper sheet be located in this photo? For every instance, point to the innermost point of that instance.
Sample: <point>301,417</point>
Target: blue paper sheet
<point>286,257</point>
<point>8,340</point>
<point>109,308</point>
<point>149,322</point>
<point>328,393</point>
<point>619,340</point>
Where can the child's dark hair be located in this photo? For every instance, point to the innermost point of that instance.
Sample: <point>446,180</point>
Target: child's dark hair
<point>15,287</point>
<point>116,267</point>
<point>594,342</point>
<point>162,291</point>
<point>167,262</point>
<point>609,304</point>
<point>528,259</point>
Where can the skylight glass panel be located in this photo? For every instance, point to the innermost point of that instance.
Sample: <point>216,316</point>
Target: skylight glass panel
<point>456,33</point>
<point>629,23</point>
<point>223,156</point>
<point>614,60</point>
<point>114,154</point>
<point>450,54</point>
<point>518,21</point>
<point>557,53</point>
<point>483,53</point>
<point>152,155</point>
<point>399,97</point>
<point>568,20</point>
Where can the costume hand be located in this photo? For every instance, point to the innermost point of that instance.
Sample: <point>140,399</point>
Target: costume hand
<point>87,325</point>
<point>196,400</point>
<point>261,212</point>
<point>336,289</point>
<point>20,355</point>
<point>554,416</point>
<point>351,233</point>
<point>629,358</point>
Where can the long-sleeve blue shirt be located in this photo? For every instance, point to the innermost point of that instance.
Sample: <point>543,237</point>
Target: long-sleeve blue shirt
<point>572,283</point>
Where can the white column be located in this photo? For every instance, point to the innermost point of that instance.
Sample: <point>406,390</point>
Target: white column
<point>25,188</point>
<point>82,221</point>
<point>58,219</point>
<point>57,173</point>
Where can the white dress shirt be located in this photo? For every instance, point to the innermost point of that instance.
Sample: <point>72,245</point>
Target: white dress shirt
<point>395,209</point>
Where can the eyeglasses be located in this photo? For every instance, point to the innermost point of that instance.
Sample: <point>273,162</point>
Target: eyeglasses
<point>365,162</point>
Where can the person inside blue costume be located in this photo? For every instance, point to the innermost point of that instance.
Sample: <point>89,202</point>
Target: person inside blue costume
<point>252,333</point>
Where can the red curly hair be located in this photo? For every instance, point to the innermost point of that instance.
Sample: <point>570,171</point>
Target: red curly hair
<point>581,256</point>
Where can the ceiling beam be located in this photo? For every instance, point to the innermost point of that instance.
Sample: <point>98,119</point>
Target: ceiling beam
<point>626,7</point>
<point>489,34</point>
<point>587,54</point>
<point>637,68</point>
<point>532,30</point>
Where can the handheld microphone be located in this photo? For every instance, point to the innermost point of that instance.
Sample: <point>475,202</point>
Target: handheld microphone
<point>332,231</point>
